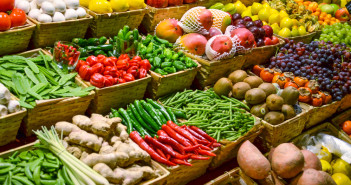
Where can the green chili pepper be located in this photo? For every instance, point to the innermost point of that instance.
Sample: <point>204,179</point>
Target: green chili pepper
<point>178,65</point>
<point>170,70</point>
<point>102,40</point>
<point>160,71</point>
<point>157,62</point>
<point>93,42</point>
<point>166,64</point>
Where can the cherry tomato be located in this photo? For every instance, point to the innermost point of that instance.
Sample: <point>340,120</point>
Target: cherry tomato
<point>5,21</point>
<point>6,5</point>
<point>18,17</point>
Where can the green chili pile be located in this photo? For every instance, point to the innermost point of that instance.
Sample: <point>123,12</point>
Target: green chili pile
<point>221,117</point>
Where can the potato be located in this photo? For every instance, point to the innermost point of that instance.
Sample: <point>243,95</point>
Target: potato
<point>311,160</point>
<point>287,160</point>
<point>312,177</point>
<point>252,162</point>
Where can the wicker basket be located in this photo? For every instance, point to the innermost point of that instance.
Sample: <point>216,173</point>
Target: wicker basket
<point>110,23</point>
<point>46,34</point>
<point>17,39</point>
<point>283,132</point>
<point>304,38</point>
<point>48,112</point>
<point>234,177</point>
<point>319,114</point>
<point>229,149</point>
<point>208,3</point>
<point>211,71</point>
<point>163,85</point>
<point>261,55</point>
<point>117,96</point>
<point>155,15</point>
<point>345,103</point>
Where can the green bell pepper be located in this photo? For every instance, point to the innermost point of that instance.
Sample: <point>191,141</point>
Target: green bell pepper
<point>166,64</point>
<point>80,42</point>
<point>160,71</point>
<point>170,70</point>
<point>99,52</point>
<point>157,62</point>
<point>175,56</point>
<point>93,42</point>
<point>178,65</point>
<point>168,53</point>
<point>83,52</point>
<point>102,40</point>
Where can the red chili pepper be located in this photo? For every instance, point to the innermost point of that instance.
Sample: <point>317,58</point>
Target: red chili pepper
<point>143,145</point>
<point>134,70</point>
<point>162,133</point>
<point>108,81</point>
<point>145,64</point>
<point>182,131</point>
<point>101,58</point>
<point>168,157</point>
<point>108,62</point>
<point>204,142</point>
<point>216,144</point>
<point>164,148</point>
<point>160,153</point>
<point>80,64</point>
<point>178,161</point>
<point>137,58</point>
<point>198,157</point>
<point>191,148</point>
<point>92,60</point>
<point>204,147</point>
<point>142,73</point>
<point>202,133</point>
<point>122,64</point>
<point>98,68</point>
<point>85,72</point>
<point>124,56</point>
<point>197,136</point>
<point>182,140</point>
<point>97,80</point>
<point>172,142</point>
<point>205,152</point>
<point>128,77</point>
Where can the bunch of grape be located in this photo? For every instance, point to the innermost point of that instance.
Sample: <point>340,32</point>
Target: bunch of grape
<point>337,33</point>
<point>325,62</point>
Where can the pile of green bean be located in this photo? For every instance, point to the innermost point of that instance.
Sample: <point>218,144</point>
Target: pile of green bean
<point>221,117</point>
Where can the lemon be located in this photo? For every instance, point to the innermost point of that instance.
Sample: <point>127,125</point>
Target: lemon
<point>285,32</point>
<point>341,179</point>
<point>84,3</point>
<point>286,22</point>
<point>324,152</point>
<point>283,14</point>
<point>254,17</point>
<point>136,4</point>
<point>294,31</point>
<point>240,7</point>
<point>246,13</point>
<point>275,28</point>
<point>119,5</point>
<point>274,18</point>
<point>100,6</point>
<point>256,7</point>
<point>273,11</point>
<point>249,8</point>
<point>302,31</point>
<point>264,14</point>
<point>326,167</point>
<point>295,22</point>
<point>266,5</point>
<point>341,166</point>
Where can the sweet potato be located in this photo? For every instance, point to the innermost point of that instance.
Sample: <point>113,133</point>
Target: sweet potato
<point>270,154</point>
<point>311,160</point>
<point>312,177</point>
<point>252,162</point>
<point>287,160</point>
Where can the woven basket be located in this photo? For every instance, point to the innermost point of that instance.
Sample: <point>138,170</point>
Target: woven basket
<point>234,177</point>
<point>319,114</point>
<point>162,85</point>
<point>117,96</point>
<point>17,39</point>
<point>345,103</point>
<point>304,38</point>
<point>155,15</point>
<point>46,34</point>
<point>229,149</point>
<point>110,23</point>
<point>261,55</point>
<point>283,132</point>
<point>48,112</point>
<point>211,71</point>
<point>10,124</point>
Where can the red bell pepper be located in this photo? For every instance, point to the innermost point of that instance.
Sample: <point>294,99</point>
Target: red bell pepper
<point>122,64</point>
<point>145,64</point>
<point>111,70</point>
<point>124,56</point>
<point>142,73</point>
<point>128,77</point>
<point>97,80</point>
<point>85,72</point>
<point>101,58</point>
<point>108,81</point>
<point>134,70</point>
<point>137,58</point>
<point>80,64</point>
<point>98,68</point>
<point>92,60</point>
<point>108,62</point>
<point>119,80</point>
<point>114,59</point>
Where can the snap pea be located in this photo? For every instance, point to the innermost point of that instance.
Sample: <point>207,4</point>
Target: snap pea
<point>23,180</point>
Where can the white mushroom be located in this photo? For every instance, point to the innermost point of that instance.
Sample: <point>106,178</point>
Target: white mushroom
<point>34,13</point>
<point>60,6</point>
<point>81,12</point>
<point>74,4</point>
<point>33,5</point>
<point>13,106</point>
<point>58,17</point>
<point>71,14</point>
<point>23,5</point>
<point>44,18</point>
<point>48,8</point>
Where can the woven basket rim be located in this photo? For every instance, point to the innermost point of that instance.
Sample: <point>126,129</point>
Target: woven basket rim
<point>209,61</point>
<point>299,37</point>
<point>171,7</point>
<point>178,72</point>
<point>29,25</point>
<point>281,42</point>
<point>87,17</point>
<point>92,13</point>
<point>148,77</point>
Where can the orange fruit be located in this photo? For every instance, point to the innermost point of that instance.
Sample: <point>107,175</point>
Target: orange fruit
<point>332,22</point>
<point>323,14</point>
<point>324,23</point>
<point>332,19</point>
<point>346,127</point>
<point>327,21</point>
<point>317,13</point>
<point>337,20</point>
<point>329,16</point>
<point>320,22</point>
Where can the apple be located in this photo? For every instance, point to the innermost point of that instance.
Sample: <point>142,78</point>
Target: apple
<point>258,23</point>
<point>249,24</point>
<point>268,30</point>
<point>342,14</point>
<point>327,9</point>
<point>267,41</point>
<point>247,18</point>
<point>275,40</point>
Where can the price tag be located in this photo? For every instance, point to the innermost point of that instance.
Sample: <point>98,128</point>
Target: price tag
<point>348,6</point>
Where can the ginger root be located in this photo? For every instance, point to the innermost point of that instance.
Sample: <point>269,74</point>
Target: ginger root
<point>85,139</point>
<point>65,128</point>
<point>111,159</point>
<point>82,122</point>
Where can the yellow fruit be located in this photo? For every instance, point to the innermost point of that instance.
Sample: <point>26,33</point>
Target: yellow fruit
<point>286,22</point>
<point>326,167</point>
<point>246,13</point>
<point>273,11</point>
<point>249,8</point>
<point>264,14</point>
<point>274,18</point>
<point>294,31</point>
<point>341,179</point>
<point>302,31</point>
<point>264,23</point>
<point>295,22</point>
<point>254,18</point>
<point>256,7</point>
<point>266,5</point>
<point>119,5</point>
<point>84,3</point>
<point>285,32</point>
<point>341,166</point>
<point>275,28</point>
<point>283,14</point>
<point>240,7</point>
<point>100,6</point>
<point>136,4</point>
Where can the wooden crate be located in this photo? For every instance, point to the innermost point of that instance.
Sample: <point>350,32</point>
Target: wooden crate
<point>233,177</point>
<point>109,24</point>
<point>319,114</point>
<point>16,39</point>
<point>166,84</point>
<point>211,71</point>
<point>345,103</point>
<point>117,96</point>
<point>46,34</point>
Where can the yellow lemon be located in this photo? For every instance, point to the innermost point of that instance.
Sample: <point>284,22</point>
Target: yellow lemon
<point>254,18</point>
<point>341,179</point>
<point>100,6</point>
<point>266,5</point>
<point>240,7</point>
<point>273,11</point>
<point>274,18</point>
<point>246,13</point>
<point>283,14</point>
<point>295,22</point>
<point>264,14</point>
<point>302,31</point>
<point>286,22</point>
<point>285,32</point>
<point>341,166</point>
<point>326,167</point>
<point>84,3</point>
<point>256,7</point>
<point>294,31</point>
<point>275,28</point>
<point>136,4</point>
<point>119,5</point>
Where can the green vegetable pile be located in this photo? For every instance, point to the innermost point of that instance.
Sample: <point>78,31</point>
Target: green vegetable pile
<point>221,117</point>
<point>35,166</point>
<point>93,46</point>
<point>38,78</point>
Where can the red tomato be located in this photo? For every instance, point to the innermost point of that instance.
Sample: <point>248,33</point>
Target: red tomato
<point>18,17</point>
<point>346,126</point>
<point>6,5</point>
<point>5,21</point>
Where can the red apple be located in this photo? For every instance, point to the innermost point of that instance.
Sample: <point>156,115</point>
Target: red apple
<point>168,29</point>
<point>275,40</point>
<point>267,41</point>
<point>246,38</point>
<point>342,14</point>
<point>213,32</point>
<point>268,29</point>
<point>222,44</point>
